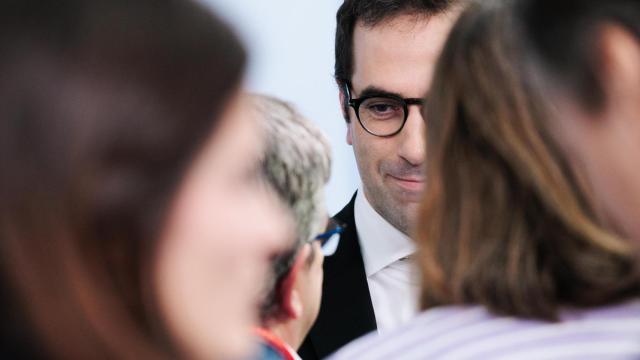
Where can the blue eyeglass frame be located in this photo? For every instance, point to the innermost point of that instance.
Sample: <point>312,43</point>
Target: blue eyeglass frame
<point>330,239</point>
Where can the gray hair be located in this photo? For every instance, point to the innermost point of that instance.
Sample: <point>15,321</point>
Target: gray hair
<point>296,164</point>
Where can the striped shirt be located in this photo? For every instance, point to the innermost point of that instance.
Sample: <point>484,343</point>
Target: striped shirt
<point>611,332</point>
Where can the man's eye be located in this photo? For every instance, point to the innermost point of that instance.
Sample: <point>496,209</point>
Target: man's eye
<point>381,108</point>
<point>383,111</point>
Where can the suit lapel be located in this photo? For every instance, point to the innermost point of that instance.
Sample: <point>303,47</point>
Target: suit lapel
<point>346,311</point>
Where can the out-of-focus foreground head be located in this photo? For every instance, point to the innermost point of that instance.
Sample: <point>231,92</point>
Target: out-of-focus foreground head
<point>122,221</point>
<point>508,221</point>
<point>296,165</point>
<point>587,54</point>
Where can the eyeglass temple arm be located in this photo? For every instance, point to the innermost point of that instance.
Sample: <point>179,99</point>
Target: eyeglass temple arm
<point>328,234</point>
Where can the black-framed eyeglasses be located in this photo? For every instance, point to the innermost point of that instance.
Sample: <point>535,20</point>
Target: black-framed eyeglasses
<point>381,114</point>
<point>330,239</point>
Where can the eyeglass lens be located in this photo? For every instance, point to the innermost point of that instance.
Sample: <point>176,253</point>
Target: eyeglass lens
<point>330,239</point>
<point>382,116</point>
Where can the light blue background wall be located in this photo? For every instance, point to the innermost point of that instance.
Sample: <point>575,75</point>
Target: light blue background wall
<point>291,56</point>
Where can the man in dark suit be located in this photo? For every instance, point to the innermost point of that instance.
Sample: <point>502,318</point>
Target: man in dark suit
<point>386,51</point>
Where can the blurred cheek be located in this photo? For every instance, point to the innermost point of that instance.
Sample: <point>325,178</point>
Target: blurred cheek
<point>316,273</point>
<point>211,262</point>
<point>319,257</point>
<point>315,282</point>
<point>201,276</point>
<point>215,248</point>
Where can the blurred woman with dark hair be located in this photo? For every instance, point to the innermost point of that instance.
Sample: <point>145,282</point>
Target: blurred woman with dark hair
<point>529,236</point>
<point>127,174</point>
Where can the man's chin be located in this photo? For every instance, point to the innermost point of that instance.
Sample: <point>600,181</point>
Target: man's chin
<point>406,198</point>
<point>400,210</point>
<point>411,199</point>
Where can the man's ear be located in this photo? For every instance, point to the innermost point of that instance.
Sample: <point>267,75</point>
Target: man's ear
<point>345,113</point>
<point>291,302</point>
<point>343,102</point>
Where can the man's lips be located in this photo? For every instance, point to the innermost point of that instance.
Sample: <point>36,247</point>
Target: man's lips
<point>412,183</point>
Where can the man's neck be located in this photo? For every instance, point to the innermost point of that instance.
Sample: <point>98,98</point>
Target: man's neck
<point>381,243</point>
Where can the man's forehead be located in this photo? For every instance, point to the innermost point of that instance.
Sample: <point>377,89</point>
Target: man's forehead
<point>399,55</point>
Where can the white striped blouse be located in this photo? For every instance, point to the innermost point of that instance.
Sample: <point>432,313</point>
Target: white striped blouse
<point>611,332</point>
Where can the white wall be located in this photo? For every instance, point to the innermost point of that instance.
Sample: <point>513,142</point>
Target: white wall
<point>290,44</point>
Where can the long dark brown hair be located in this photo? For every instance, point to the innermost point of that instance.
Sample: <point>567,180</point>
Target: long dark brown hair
<point>506,223</point>
<point>103,105</point>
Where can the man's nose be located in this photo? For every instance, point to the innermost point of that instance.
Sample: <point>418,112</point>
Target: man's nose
<point>413,137</point>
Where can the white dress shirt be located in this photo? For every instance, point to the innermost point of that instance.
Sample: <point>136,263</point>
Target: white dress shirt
<point>392,277</point>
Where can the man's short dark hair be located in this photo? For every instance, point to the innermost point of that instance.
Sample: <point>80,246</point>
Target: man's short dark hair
<point>371,13</point>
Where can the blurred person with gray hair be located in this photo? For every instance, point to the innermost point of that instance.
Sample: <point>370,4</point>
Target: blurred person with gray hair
<point>296,166</point>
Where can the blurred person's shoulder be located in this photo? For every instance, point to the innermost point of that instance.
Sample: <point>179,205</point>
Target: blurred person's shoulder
<point>456,332</point>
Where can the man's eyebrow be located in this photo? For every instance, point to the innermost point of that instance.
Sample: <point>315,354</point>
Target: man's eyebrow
<point>376,91</point>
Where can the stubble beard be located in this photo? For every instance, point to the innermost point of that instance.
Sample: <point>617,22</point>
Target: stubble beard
<point>401,216</point>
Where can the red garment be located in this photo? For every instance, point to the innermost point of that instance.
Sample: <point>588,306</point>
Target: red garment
<point>274,342</point>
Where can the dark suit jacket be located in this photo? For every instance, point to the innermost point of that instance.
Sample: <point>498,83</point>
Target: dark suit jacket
<point>346,311</point>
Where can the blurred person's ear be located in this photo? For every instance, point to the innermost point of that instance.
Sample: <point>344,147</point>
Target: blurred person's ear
<point>621,70</point>
<point>343,103</point>
<point>349,136</point>
<point>292,304</point>
<point>603,143</point>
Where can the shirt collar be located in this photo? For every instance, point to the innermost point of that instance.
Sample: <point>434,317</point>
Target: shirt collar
<point>292,352</point>
<point>273,341</point>
<point>381,243</point>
